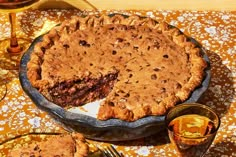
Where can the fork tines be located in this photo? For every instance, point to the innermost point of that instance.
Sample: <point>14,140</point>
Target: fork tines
<point>110,151</point>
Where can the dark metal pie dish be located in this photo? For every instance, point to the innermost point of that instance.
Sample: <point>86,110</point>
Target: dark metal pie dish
<point>91,127</point>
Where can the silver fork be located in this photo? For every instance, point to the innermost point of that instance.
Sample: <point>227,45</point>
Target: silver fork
<point>110,151</point>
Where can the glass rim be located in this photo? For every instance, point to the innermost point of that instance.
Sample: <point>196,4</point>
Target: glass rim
<point>3,91</point>
<point>198,105</point>
<point>16,3</point>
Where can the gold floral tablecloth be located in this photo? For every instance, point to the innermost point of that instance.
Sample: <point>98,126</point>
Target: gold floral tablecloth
<point>215,30</point>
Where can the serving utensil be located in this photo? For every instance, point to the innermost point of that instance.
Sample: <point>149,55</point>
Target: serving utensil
<point>110,151</point>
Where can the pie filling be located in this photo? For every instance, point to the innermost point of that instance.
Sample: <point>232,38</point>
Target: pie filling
<point>80,92</point>
<point>141,66</point>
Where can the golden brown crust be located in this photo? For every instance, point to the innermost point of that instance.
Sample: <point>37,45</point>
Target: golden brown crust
<point>64,145</point>
<point>82,149</point>
<point>156,53</point>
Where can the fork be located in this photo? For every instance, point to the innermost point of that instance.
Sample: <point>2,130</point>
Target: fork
<point>110,151</point>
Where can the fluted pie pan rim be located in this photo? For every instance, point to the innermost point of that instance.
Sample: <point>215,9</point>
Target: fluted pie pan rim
<point>70,118</point>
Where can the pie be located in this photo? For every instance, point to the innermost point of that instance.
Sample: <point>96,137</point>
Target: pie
<point>140,66</point>
<point>64,145</point>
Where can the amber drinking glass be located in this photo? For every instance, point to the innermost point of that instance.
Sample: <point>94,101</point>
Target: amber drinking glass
<point>12,48</point>
<point>192,128</point>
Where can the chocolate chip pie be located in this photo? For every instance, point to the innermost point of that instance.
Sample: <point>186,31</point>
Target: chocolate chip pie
<point>140,66</point>
<point>65,145</point>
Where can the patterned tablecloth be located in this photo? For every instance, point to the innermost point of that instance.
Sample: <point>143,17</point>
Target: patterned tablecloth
<point>215,30</point>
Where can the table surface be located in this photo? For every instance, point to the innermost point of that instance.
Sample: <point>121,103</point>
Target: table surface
<point>215,30</point>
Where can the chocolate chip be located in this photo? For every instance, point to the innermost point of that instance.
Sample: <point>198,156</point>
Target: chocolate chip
<point>36,147</point>
<point>156,69</point>
<point>110,103</point>
<point>66,46</point>
<point>111,28</point>
<point>128,70</point>
<point>165,56</point>
<point>134,35</point>
<point>163,81</point>
<point>153,76</point>
<point>135,47</point>
<point>127,95</point>
<point>122,91</point>
<point>119,39</point>
<point>114,52</point>
<point>178,85</point>
<point>84,43</point>
<point>163,90</point>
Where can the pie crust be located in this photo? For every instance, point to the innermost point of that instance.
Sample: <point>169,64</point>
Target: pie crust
<point>64,145</point>
<point>140,66</point>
